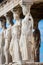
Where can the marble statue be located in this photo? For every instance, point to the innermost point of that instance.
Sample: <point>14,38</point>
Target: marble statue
<point>7,43</point>
<point>2,40</point>
<point>26,39</point>
<point>8,37</point>
<point>17,42</point>
<point>16,33</point>
<point>1,46</point>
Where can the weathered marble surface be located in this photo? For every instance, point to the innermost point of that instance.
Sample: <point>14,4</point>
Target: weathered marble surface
<point>26,42</point>
<point>7,36</point>
<point>2,43</point>
<point>28,63</point>
<point>12,3</point>
<point>5,8</point>
<point>14,45</point>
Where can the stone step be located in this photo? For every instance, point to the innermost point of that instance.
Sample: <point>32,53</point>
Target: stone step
<point>24,63</point>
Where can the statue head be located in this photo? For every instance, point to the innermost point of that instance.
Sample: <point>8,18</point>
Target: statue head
<point>24,9</point>
<point>17,12</point>
<point>10,17</point>
<point>3,21</point>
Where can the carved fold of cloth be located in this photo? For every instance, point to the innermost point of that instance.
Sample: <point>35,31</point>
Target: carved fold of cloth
<point>14,45</point>
<point>26,40</point>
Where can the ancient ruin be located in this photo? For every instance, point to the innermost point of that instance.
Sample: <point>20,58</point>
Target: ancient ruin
<point>20,42</point>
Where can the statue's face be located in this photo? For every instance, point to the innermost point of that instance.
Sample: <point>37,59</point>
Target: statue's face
<point>8,20</point>
<point>16,15</point>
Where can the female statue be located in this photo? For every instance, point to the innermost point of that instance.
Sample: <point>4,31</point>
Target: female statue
<point>2,40</point>
<point>1,44</point>
<point>8,38</point>
<point>16,33</point>
<point>26,40</point>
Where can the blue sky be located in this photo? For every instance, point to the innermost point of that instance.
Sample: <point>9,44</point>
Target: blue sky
<point>41,31</point>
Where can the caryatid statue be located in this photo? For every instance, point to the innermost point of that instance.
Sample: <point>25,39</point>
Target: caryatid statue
<point>16,33</point>
<point>27,40</point>
<point>2,40</point>
<point>8,37</point>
